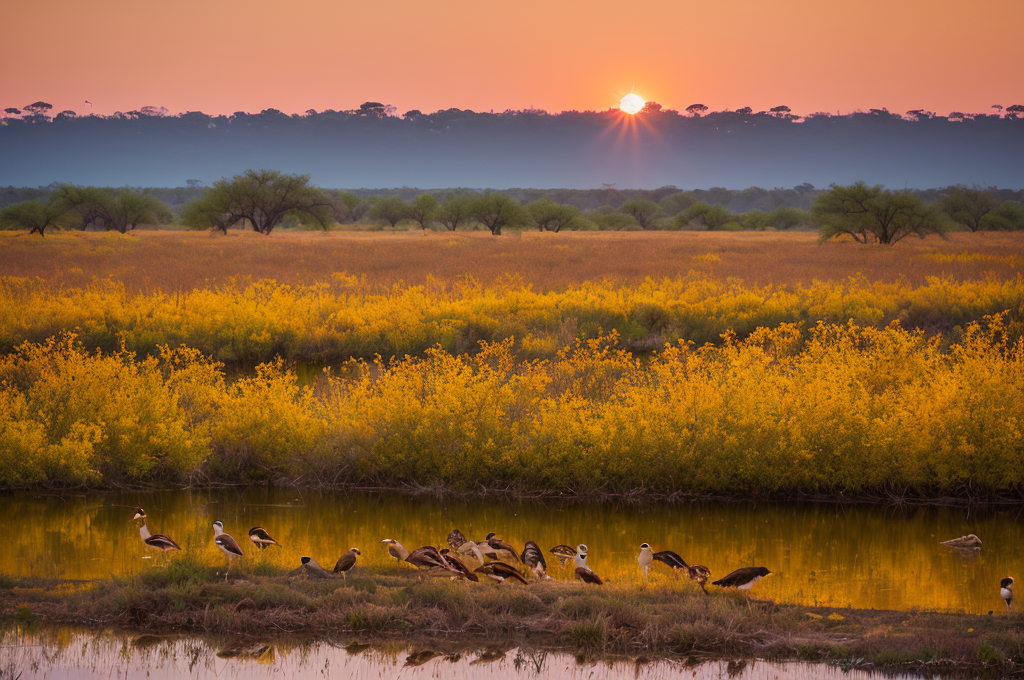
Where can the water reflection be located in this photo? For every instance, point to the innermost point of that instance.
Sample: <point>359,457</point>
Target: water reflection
<point>819,554</point>
<point>64,654</point>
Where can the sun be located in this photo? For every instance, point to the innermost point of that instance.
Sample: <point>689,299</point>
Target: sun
<point>631,103</point>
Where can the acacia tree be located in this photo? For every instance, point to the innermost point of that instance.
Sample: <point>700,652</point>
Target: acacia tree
<point>497,211</point>
<point>456,209</point>
<point>966,206</point>
<point>36,216</point>
<point>423,209</point>
<point>643,211</point>
<point>110,209</point>
<point>696,109</point>
<point>713,217</point>
<point>552,216</point>
<point>389,210</point>
<point>262,198</point>
<point>875,214</point>
<point>1008,216</point>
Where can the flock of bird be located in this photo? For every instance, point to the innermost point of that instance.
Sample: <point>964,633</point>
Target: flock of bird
<point>494,556</point>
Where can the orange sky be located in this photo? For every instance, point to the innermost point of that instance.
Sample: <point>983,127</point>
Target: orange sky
<point>221,56</point>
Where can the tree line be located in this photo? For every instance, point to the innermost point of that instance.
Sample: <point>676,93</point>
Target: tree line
<point>264,200</point>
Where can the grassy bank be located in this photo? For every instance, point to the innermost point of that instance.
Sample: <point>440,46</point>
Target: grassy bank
<point>837,410</point>
<point>187,598</point>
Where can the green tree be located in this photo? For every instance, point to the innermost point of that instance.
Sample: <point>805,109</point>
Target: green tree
<point>1007,216</point>
<point>497,211</point>
<point>966,206</point>
<point>713,217</point>
<point>643,211</point>
<point>111,209</point>
<point>673,204</point>
<point>36,216</point>
<point>552,216</point>
<point>423,210</point>
<point>457,209</point>
<point>347,206</point>
<point>212,209</point>
<point>788,218</point>
<point>389,210</point>
<point>263,198</point>
<point>875,214</point>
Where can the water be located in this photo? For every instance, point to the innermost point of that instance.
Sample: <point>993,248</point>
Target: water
<point>62,653</point>
<point>825,555</point>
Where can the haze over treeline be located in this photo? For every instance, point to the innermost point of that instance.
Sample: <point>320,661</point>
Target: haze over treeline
<point>368,148</point>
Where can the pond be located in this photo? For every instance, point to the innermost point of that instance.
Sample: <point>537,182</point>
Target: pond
<point>826,555</point>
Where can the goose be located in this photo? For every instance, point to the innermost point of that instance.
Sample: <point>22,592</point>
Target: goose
<point>696,572</point>
<point>227,545</point>
<point>564,553</point>
<point>346,562</point>
<point>500,572</point>
<point>533,558</point>
<point>583,572</point>
<point>160,542</point>
<point>261,538</point>
<point>457,565</point>
<point>1006,591</point>
<point>742,579</point>
<point>492,547</point>
<point>396,549</point>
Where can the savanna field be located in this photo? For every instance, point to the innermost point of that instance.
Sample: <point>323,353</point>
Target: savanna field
<point>575,362</point>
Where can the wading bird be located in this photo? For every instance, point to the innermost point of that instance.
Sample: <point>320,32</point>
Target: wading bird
<point>742,579</point>
<point>583,572</point>
<point>346,562</point>
<point>396,549</point>
<point>696,572</point>
<point>458,566</point>
<point>227,545</point>
<point>533,558</point>
<point>261,538</point>
<point>159,542</point>
<point>564,553</point>
<point>1006,591</point>
<point>500,572</point>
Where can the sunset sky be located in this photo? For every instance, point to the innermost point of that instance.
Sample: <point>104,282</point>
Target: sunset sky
<point>221,56</point>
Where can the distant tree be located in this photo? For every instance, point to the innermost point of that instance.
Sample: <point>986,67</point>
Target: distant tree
<point>552,216</point>
<point>13,111</point>
<point>1015,110</point>
<point>713,217</point>
<point>66,114</point>
<point>1007,216</point>
<point>497,211</point>
<point>966,206</point>
<point>423,210</point>
<point>38,109</point>
<point>875,214</point>
<point>779,111</point>
<point>745,111</point>
<point>412,114</point>
<point>347,206</point>
<point>36,216</point>
<point>111,209</point>
<point>456,210</point>
<point>212,209</point>
<point>696,110</point>
<point>673,204</point>
<point>788,218</point>
<point>651,107</point>
<point>642,210</point>
<point>263,198</point>
<point>388,210</point>
<point>955,115</point>
<point>998,109</point>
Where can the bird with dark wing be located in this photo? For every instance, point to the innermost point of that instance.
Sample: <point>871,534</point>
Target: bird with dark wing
<point>500,572</point>
<point>226,544</point>
<point>697,572</point>
<point>564,553</point>
<point>533,558</point>
<point>160,542</point>
<point>583,572</point>
<point>457,565</point>
<point>1006,591</point>
<point>742,579</point>
<point>346,562</point>
<point>493,547</point>
<point>427,557</point>
<point>261,538</point>
<point>455,539</point>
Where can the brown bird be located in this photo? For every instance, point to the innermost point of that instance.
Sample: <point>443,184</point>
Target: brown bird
<point>564,553</point>
<point>427,557</point>
<point>496,546</point>
<point>533,558</point>
<point>696,572</point>
<point>742,579</point>
<point>261,538</point>
<point>500,572</point>
<point>160,542</point>
<point>583,572</point>
<point>457,565</point>
<point>227,545</point>
<point>346,562</point>
<point>455,539</point>
<point>396,549</point>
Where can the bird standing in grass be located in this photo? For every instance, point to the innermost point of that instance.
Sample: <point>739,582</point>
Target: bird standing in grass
<point>261,538</point>
<point>645,558</point>
<point>159,542</point>
<point>742,579</point>
<point>226,544</point>
<point>1006,591</point>
<point>533,558</point>
<point>583,572</point>
<point>396,549</point>
<point>346,562</point>
<point>458,566</point>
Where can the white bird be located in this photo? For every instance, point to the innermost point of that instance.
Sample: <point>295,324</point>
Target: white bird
<point>160,542</point>
<point>583,572</point>
<point>227,545</point>
<point>645,558</point>
<point>1006,591</point>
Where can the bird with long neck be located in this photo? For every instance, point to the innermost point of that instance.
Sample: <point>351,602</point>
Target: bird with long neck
<point>226,544</point>
<point>160,542</point>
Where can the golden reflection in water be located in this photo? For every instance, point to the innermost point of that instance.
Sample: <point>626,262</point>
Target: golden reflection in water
<point>60,653</point>
<point>836,556</point>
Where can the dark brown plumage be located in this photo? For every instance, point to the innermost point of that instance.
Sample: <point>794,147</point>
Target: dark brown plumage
<point>533,558</point>
<point>455,539</point>
<point>743,579</point>
<point>500,571</point>
<point>587,576</point>
<point>564,553</point>
<point>496,544</point>
<point>261,538</point>
<point>427,557</point>
<point>458,566</point>
<point>696,572</point>
<point>346,562</point>
<point>161,542</point>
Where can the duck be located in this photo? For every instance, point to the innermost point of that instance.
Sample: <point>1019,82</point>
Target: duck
<point>533,558</point>
<point>1006,591</point>
<point>261,538</point>
<point>742,579</point>
<point>227,545</point>
<point>346,562</point>
<point>696,572</point>
<point>492,547</point>
<point>457,565</point>
<point>564,553</point>
<point>396,549</point>
<point>161,542</point>
<point>583,572</point>
<point>500,572</point>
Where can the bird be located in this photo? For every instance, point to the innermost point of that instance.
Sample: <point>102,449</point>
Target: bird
<point>261,538</point>
<point>564,553</point>
<point>396,549</point>
<point>645,558</point>
<point>500,572</point>
<point>1006,591</point>
<point>427,557</point>
<point>696,572</point>
<point>742,579</point>
<point>471,548</point>
<point>533,558</point>
<point>227,545</point>
<point>583,572</point>
<point>160,542</point>
<point>346,562</point>
<point>457,565</point>
<point>455,539</point>
<point>492,546</point>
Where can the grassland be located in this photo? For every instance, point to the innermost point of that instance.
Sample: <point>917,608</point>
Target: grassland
<point>189,598</point>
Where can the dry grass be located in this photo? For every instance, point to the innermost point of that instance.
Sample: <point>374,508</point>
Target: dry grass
<point>175,261</point>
